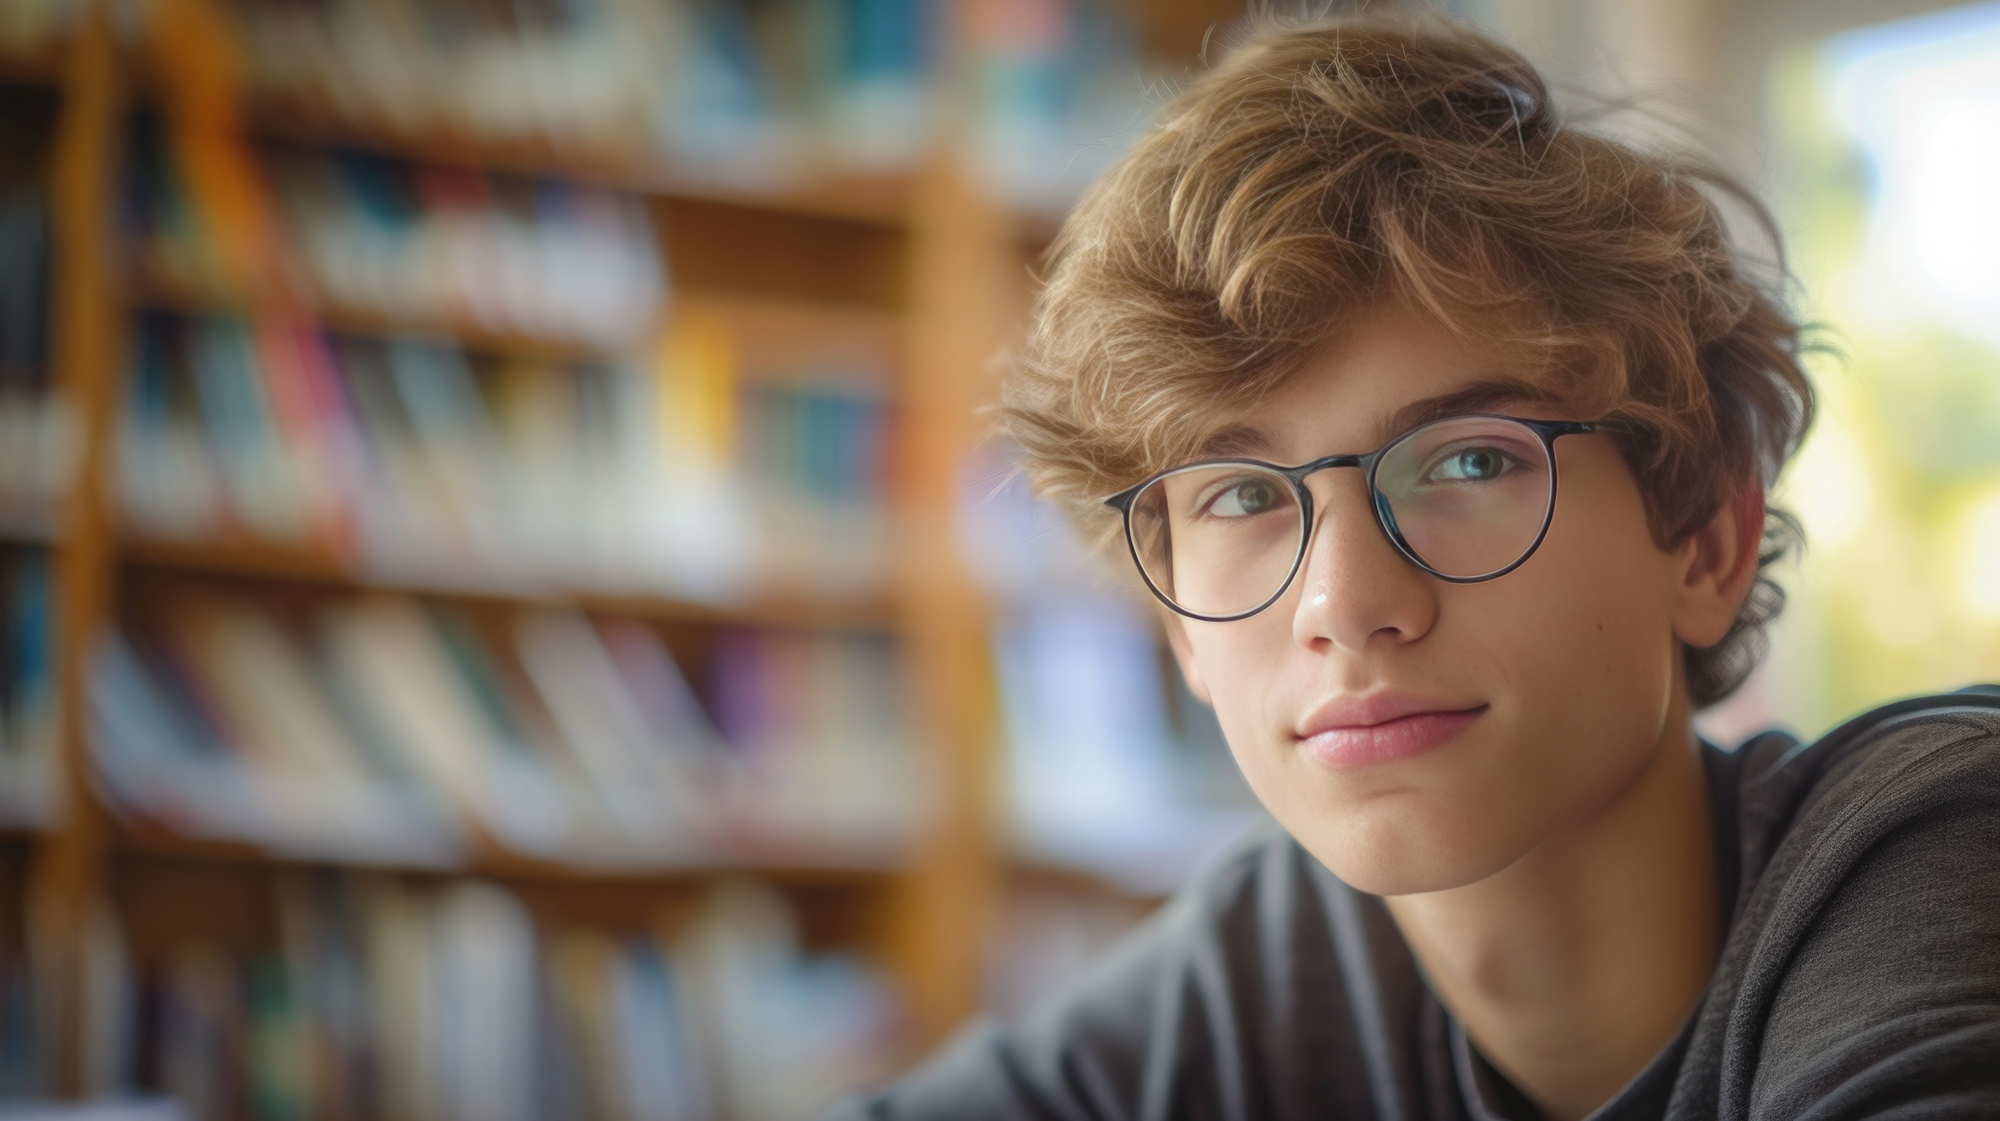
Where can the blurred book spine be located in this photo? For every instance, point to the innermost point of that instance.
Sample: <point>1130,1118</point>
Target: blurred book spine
<point>385,998</point>
<point>380,729</point>
<point>36,438</point>
<point>28,748</point>
<point>23,1050</point>
<point>814,455</point>
<point>1059,91</point>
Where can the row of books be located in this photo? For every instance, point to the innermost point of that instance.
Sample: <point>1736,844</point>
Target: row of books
<point>458,1003</point>
<point>27,690</point>
<point>383,730</point>
<point>747,93</point>
<point>742,92</point>
<point>37,446</point>
<point>34,431</point>
<point>415,460</point>
<point>443,245</point>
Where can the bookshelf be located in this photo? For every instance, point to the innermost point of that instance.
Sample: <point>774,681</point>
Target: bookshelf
<point>915,278</point>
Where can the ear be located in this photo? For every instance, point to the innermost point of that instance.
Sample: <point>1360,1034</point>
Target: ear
<point>1184,655</point>
<point>1718,566</point>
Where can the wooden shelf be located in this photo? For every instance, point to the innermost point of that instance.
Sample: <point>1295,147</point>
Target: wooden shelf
<point>1040,875</point>
<point>802,868</point>
<point>772,332</point>
<point>45,69</point>
<point>154,295</point>
<point>25,527</point>
<point>257,560</point>
<point>881,199</point>
<point>869,198</point>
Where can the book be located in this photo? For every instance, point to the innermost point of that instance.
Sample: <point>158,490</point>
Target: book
<point>201,1039</point>
<point>311,420</point>
<point>155,760</point>
<point>581,970</point>
<point>653,1070</point>
<point>313,774</point>
<point>651,797</point>
<point>28,747</point>
<point>485,981</point>
<point>259,476</point>
<point>23,1054</point>
<point>457,1001</point>
<point>785,1032</point>
<point>380,729</point>
<point>37,441</point>
<point>391,654</point>
<point>1097,776</point>
<point>404,1016</point>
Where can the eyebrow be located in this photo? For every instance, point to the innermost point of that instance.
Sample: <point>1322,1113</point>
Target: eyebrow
<point>1480,396</point>
<point>1248,440</point>
<point>1235,440</point>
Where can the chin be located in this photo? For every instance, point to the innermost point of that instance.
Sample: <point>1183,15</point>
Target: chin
<point>1387,849</point>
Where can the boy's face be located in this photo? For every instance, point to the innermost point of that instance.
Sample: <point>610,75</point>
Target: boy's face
<point>1532,700</point>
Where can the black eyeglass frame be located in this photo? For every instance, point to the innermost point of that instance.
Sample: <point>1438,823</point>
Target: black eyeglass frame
<point>1547,430</point>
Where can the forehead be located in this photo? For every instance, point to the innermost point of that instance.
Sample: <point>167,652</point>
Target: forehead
<point>1392,370</point>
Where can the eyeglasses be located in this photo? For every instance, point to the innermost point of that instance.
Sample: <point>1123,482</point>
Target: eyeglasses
<point>1466,498</point>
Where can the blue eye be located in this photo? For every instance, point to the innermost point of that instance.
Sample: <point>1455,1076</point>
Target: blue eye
<point>1245,497</point>
<point>1470,465</point>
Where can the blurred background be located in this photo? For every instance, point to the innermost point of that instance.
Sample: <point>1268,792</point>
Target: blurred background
<point>506,606</point>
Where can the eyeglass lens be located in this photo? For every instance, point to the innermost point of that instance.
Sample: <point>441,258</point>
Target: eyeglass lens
<point>1468,496</point>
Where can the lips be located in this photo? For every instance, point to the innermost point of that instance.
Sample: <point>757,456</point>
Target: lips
<point>1350,732</point>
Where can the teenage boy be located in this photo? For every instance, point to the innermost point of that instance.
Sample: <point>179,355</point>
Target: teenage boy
<point>1442,428</point>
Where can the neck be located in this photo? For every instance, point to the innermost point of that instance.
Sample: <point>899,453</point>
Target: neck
<point>1571,968</point>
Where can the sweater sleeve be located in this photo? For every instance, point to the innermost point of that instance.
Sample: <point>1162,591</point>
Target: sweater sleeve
<point>1890,1006</point>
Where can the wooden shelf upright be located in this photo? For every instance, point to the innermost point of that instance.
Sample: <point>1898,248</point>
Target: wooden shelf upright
<point>68,876</point>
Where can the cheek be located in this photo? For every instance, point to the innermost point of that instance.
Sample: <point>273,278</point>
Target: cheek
<point>1255,673</point>
<point>1583,624</point>
<point>1579,649</point>
<point>1237,659</point>
<point>1595,605</point>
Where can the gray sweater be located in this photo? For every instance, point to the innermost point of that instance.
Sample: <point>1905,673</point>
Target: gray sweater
<point>1860,976</point>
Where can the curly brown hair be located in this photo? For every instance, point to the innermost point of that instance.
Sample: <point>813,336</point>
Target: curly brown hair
<point>1324,167</point>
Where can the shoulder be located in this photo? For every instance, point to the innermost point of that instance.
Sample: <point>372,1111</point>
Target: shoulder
<point>1100,1049</point>
<point>1231,1001</point>
<point>1869,774</point>
<point>1219,922</point>
<point>1868,953</point>
<point>1816,819</point>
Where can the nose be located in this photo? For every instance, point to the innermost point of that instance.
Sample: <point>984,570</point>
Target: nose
<point>1355,589</point>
